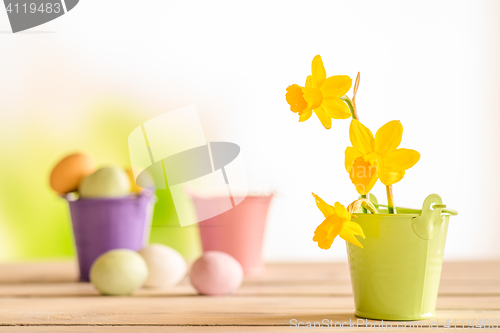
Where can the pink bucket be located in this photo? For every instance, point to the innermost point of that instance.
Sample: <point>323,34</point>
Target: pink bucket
<point>238,231</point>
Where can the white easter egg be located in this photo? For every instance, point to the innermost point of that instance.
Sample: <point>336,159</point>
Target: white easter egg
<point>166,266</point>
<point>105,182</point>
<point>118,272</point>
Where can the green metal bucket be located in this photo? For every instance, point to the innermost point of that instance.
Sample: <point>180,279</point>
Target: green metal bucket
<point>396,276</point>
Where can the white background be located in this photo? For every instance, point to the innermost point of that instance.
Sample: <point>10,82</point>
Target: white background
<point>432,64</point>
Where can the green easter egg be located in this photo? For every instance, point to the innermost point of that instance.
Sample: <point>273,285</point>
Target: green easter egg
<point>105,182</point>
<point>118,272</point>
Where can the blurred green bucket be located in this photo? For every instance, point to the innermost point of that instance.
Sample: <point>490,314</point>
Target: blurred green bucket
<point>396,276</point>
<point>167,230</point>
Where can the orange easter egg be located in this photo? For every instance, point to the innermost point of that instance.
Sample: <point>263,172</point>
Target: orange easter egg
<point>67,174</point>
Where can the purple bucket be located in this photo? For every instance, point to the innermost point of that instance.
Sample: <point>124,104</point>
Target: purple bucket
<point>104,224</point>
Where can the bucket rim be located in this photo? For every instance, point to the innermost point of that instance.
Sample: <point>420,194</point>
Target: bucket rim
<point>395,215</point>
<point>219,197</point>
<point>145,194</point>
<point>385,215</point>
<point>431,202</point>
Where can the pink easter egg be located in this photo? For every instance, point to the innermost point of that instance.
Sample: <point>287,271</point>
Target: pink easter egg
<point>216,273</point>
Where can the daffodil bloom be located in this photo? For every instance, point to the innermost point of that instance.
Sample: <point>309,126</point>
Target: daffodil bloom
<point>338,222</point>
<point>321,95</point>
<point>371,158</point>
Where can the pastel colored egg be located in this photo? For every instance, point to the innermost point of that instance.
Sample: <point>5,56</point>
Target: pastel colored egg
<point>69,172</point>
<point>118,272</point>
<point>105,182</point>
<point>166,266</point>
<point>216,273</point>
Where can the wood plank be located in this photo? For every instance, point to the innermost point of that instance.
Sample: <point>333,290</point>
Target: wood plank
<point>46,295</point>
<point>477,270</point>
<point>341,299</point>
<point>192,311</point>
<point>343,288</point>
<point>65,271</point>
<point>337,302</point>
<point>39,272</point>
<point>141,329</point>
<point>337,288</point>
<point>180,329</point>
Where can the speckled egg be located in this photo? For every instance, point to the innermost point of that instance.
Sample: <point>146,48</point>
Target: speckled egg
<point>216,273</point>
<point>118,272</point>
<point>68,173</point>
<point>105,182</point>
<point>166,266</point>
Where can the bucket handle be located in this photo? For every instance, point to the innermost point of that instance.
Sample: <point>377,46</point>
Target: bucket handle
<point>428,224</point>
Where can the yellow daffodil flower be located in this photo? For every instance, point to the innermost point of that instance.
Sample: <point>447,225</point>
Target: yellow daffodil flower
<point>338,222</point>
<point>371,158</point>
<point>321,95</point>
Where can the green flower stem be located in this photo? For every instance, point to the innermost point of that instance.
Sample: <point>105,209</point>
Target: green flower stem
<point>354,115</point>
<point>348,101</point>
<point>390,200</point>
<point>365,196</point>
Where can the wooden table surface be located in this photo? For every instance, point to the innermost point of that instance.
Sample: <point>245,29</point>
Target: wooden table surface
<point>45,297</point>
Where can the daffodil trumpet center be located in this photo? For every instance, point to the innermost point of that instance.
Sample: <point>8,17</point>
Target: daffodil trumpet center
<point>313,97</point>
<point>338,222</point>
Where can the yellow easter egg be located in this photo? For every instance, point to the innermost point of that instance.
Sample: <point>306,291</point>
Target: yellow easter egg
<point>111,182</point>
<point>118,272</point>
